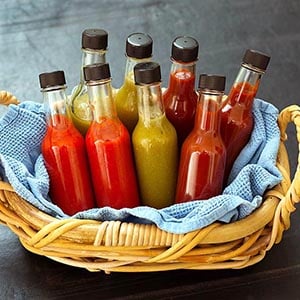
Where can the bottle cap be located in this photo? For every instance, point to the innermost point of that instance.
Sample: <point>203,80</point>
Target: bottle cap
<point>95,39</point>
<point>185,49</point>
<point>52,79</point>
<point>212,82</point>
<point>139,45</point>
<point>145,73</point>
<point>96,72</point>
<point>256,59</point>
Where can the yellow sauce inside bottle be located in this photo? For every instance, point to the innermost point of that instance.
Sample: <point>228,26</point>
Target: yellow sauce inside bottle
<point>126,103</point>
<point>155,150</point>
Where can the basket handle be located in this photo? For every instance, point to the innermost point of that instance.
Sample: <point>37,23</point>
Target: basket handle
<point>291,195</point>
<point>7,98</point>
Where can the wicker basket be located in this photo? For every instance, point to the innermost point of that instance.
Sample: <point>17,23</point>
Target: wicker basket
<point>126,247</point>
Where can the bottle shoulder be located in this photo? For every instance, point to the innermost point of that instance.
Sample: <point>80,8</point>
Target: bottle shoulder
<point>107,129</point>
<point>159,127</point>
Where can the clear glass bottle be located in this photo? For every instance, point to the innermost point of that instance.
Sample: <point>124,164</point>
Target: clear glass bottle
<point>94,49</point>
<point>138,49</point>
<point>109,145</point>
<point>203,154</point>
<point>63,149</point>
<point>154,140</point>
<point>237,118</point>
<point>180,98</point>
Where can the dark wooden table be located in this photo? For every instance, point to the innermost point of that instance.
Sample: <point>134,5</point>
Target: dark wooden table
<point>41,36</point>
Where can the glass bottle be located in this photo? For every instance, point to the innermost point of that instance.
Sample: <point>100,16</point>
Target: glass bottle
<point>154,140</point>
<point>63,149</point>
<point>180,98</point>
<point>236,117</point>
<point>203,154</point>
<point>108,145</point>
<point>138,49</point>
<point>94,49</point>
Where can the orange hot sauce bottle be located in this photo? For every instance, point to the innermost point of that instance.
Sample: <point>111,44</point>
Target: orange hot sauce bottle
<point>203,154</point>
<point>236,117</point>
<point>63,149</point>
<point>108,144</point>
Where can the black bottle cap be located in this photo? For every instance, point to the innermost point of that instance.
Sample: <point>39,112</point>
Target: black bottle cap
<point>139,45</point>
<point>96,72</point>
<point>145,73</point>
<point>52,79</point>
<point>257,59</point>
<point>212,82</point>
<point>185,49</point>
<point>95,39</point>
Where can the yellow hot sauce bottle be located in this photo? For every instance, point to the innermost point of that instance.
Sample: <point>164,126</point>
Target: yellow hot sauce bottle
<point>138,49</point>
<point>94,48</point>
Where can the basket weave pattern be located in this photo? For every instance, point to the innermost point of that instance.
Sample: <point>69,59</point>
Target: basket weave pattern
<point>126,247</point>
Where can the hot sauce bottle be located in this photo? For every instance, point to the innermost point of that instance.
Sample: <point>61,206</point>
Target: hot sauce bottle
<point>154,140</point>
<point>180,98</point>
<point>94,49</point>
<point>108,145</point>
<point>138,49</point>
<point>203,154</point>
<point>236,117</point>
<point>63,149</point>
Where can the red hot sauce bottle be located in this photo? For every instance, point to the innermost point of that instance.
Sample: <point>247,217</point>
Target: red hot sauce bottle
<point>63,149</point>
<point>236,116</point>
<point>108,144</point>
<point>203,153</point>
<point>180,98</point>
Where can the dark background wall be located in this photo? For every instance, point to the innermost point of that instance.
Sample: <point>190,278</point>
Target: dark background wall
<point>40,36</point>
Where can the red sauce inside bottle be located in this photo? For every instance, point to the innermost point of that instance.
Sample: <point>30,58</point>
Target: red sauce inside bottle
<point>65,158</point>
<point>237,121</point>
<point>180,101</point>
<point>203,156</point>
<point>111,162</point>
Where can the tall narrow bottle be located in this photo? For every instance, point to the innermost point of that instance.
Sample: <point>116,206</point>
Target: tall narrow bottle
<point>180,98</point>
<point>203,154</point>
<point>108,145</point>
<point>94,49</point>
<point>138,49</point>
<point>237,118</point>
<point>154,140</point>
<point>63,149</point>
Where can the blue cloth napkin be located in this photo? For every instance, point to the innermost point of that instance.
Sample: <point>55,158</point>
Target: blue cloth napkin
<point>23,127</point>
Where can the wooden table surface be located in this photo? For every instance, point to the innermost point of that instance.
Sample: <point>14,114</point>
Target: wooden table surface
<point>42,36</point>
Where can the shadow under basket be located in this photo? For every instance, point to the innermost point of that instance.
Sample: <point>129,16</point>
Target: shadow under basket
<point>114,246</point>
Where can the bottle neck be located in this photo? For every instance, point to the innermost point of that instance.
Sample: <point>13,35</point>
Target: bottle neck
<point>184,67</point>
<point>208,111</point>
<point>182,77</point>
<point>55,100</point>
<point>245,86</point>
<point>90,57</point>
<point>130,63</point>
<point>101,100</point>
<point>149,102</point>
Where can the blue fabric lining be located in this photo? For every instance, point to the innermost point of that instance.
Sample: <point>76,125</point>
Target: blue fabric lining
<point>22,129</point>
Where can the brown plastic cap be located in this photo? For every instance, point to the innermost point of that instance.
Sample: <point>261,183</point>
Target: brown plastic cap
<point>257,59</point>
<point>96,72</point>
<point>185,49</point>
<point>139,45</point>
<point>95,39</point>
<point>52,79</point>
<point>212,82</point>
<point>147,73</point>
